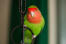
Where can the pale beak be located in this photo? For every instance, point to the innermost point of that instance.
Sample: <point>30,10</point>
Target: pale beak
<point>32,13</point>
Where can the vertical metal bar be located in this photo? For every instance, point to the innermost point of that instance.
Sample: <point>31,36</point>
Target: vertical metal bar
<point>22,17</point>
<point>22,20</point>
<point>22,26</point>
<point>20,5</point>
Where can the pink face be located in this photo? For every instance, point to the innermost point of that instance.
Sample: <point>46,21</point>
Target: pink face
<point>34,15</point>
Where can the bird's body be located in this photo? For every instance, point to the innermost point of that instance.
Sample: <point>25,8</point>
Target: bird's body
<point>35,22</point>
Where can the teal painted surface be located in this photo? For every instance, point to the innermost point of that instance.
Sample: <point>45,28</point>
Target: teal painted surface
<point>15,20</point>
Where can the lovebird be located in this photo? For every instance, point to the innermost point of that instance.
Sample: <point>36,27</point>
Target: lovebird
<point>34,20</point>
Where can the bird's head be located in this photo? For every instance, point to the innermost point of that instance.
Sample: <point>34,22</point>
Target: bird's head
<point>33,14</point>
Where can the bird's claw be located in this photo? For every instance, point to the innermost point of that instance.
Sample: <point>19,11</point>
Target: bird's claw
<point>33,36</point>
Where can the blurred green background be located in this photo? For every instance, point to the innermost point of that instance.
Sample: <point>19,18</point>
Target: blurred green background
<point>15,20</point>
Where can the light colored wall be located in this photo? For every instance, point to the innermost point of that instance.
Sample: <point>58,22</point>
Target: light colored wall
<point>4,16</point>
<point>52,17</point>
<point>62,21</point>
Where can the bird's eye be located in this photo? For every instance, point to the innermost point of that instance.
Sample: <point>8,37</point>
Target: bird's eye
<point>32,13</point>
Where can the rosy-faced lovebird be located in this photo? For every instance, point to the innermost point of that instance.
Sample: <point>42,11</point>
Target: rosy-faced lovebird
<point>35,21</point>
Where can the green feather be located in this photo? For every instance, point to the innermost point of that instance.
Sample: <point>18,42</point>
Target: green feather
<point>36,28</point>
<point>32,6</point>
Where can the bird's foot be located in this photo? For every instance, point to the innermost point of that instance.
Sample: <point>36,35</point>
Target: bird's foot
<point>33,36</point>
